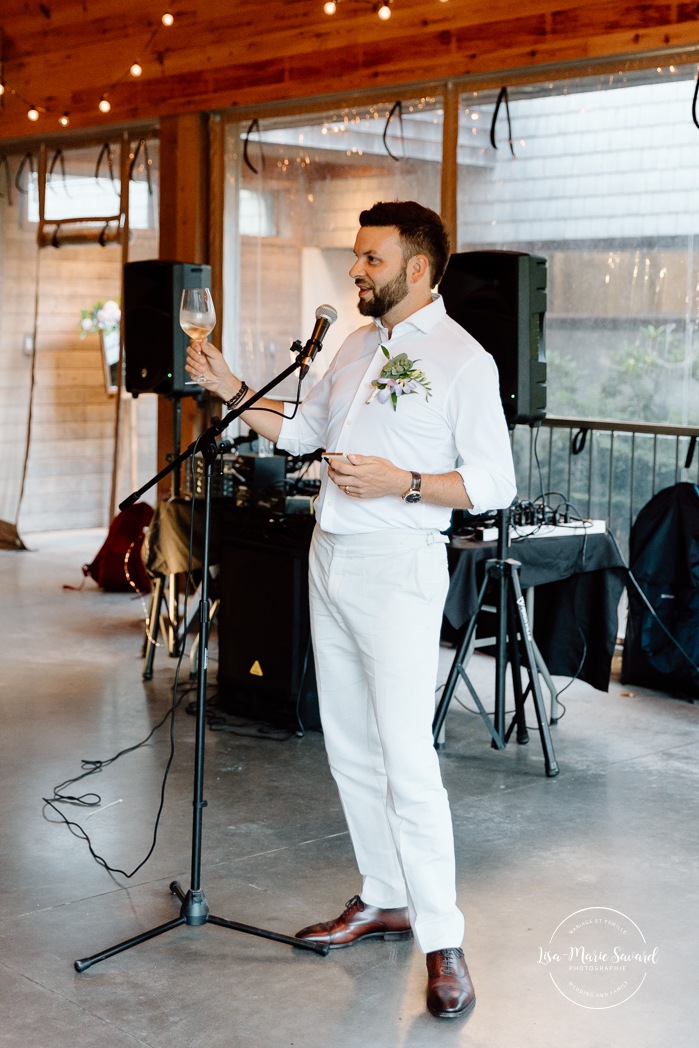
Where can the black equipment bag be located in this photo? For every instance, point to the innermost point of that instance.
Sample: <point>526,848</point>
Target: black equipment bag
<point>664,559</point>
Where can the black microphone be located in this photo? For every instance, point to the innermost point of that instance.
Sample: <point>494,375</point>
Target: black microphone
<point>325,316</point>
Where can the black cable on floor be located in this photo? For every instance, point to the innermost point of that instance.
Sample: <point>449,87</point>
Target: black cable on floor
<point>92,767</point>
<point>93,800</point>
<point>219,720</point>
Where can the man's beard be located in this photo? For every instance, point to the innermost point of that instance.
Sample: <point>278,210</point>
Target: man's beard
<point>384,299</point>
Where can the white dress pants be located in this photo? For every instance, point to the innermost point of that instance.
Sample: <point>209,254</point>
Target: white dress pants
<point>376,611</point>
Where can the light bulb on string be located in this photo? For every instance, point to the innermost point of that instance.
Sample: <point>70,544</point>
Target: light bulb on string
<point>2,89</point>
<point>330,7</point>
<point>167,18</point>
<point>136,69</point>
<point>64,120</point>
<point>384,11</point>
<point>104,105</point>
<point>33,113</point>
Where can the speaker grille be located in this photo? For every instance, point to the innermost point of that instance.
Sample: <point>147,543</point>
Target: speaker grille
<point>265,666</point>
<point>155,346</point>
<point>499,297</point>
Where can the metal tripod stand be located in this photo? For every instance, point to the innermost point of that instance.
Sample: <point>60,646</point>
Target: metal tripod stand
<point>512,628</point>
<point>194,908</point>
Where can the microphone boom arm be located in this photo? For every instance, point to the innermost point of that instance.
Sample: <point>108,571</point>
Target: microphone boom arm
<point>217,426</point>
<point>325,316</point>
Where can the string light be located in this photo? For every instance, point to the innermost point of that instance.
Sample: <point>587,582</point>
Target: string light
<point>104,105</point>
<point>136,69</point>
<point>383,9</point>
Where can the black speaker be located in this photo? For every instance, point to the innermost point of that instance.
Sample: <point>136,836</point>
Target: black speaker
<point>265,668</point>
<point>499,297</point>
<point>155,346</point>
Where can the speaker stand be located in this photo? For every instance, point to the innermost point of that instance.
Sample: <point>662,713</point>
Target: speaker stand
<point>512,627</point>
<point>177,442</point>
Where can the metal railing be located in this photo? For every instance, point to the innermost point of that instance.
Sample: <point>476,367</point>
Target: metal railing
<point>603,469</point>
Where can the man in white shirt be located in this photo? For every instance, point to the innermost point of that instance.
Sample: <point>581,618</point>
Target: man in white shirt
<point>411,402</point>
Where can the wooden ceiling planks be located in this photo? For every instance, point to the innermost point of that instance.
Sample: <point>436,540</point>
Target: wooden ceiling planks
<point>65,56</point>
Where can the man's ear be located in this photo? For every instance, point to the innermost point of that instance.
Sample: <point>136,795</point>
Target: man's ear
<point>418,268</point>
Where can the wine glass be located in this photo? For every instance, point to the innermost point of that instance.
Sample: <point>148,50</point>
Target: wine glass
<point>197,317</point>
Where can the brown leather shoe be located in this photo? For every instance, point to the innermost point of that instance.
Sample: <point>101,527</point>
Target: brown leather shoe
<point>359,921</point>
<point>450,992</point>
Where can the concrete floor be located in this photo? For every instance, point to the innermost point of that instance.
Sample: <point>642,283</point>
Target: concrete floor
<point>615,832</point>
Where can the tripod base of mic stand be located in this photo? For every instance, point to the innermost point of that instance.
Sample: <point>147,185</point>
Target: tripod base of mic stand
<point>195,911</point>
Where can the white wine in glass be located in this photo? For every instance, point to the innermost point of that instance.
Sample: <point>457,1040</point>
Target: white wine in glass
<point>197,316</point>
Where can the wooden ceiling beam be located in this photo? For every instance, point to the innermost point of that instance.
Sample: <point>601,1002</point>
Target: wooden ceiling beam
<point>65,56</point>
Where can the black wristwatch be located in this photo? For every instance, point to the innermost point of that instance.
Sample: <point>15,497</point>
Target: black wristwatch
<point>413,493</point>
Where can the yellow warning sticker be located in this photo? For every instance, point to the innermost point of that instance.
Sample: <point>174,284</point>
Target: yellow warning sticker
<point>256,669</point>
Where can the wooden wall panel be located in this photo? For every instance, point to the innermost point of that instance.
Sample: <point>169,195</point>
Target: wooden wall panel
<point>64,56</point>
<point>70,461</point>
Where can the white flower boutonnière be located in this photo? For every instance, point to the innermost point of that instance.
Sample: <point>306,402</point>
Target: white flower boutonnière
<point>398,377</point>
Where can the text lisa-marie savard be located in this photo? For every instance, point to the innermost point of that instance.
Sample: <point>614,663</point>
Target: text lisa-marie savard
<point>615,956</point>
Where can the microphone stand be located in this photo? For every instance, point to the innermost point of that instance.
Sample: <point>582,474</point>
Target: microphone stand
<point>194,908</point>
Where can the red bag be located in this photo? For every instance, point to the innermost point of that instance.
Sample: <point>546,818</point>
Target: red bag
<point>118,566</point>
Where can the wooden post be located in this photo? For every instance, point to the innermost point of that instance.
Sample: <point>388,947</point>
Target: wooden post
<point>124,172</point>
<point>217,195</point>
<point>450,139</point>
<point>184,237</point>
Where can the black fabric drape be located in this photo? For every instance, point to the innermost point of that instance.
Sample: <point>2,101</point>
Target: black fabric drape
<point>579,581</point>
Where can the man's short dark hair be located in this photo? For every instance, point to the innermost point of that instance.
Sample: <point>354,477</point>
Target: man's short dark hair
<point>421,231</point>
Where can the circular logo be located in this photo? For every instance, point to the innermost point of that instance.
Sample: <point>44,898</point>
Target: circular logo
<point>597,957</point>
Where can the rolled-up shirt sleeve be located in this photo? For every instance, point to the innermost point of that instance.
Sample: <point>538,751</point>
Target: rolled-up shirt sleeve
<point>481,436</point>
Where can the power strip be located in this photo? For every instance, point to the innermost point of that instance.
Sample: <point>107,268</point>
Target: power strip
<point>547,531</point>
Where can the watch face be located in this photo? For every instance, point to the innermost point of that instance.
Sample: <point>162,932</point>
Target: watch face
<point>412,496</point>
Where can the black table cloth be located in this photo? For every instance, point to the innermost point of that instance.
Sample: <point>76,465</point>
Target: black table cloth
<point>579,580</point>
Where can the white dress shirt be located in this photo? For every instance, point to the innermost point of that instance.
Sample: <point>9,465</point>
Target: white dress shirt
<point>461,425</point>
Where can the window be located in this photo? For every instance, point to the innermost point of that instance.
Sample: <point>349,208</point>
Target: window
<point>79,185</point>
<point>84,196</point>
<point>295,190</point>
<point>602,184</point>
<point>256,214</point>
<point>604,187</point>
